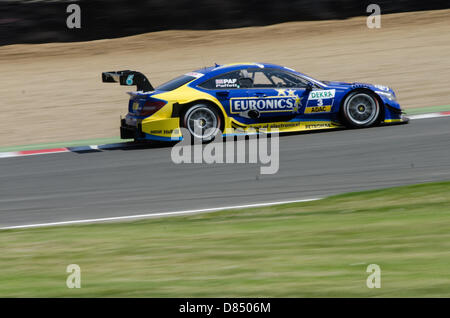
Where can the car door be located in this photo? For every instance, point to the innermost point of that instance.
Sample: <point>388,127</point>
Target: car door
<point>276,95</point>
<point>226,88</point>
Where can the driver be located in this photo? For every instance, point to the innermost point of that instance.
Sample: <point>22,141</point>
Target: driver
<point>245,80</point>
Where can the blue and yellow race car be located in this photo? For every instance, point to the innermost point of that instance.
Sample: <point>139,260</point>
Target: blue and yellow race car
<point>235,98</point>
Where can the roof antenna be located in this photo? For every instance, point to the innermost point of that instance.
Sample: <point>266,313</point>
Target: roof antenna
<point>203,62</point>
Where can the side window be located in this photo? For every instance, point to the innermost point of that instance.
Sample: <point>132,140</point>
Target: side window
<point>260,79</point>
<point>279,81</point>
<point>285,79</point>
<point>223,81</point>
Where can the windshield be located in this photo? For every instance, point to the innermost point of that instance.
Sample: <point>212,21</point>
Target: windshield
<point>175,83</point>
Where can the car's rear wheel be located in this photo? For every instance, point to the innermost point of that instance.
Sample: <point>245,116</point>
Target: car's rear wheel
<point>202,121</point>
<point>361,109</point>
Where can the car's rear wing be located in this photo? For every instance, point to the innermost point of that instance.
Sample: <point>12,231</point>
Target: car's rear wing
<point>128,78</point>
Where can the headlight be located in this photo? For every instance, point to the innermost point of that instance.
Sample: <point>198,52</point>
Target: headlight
<point>389,95</point>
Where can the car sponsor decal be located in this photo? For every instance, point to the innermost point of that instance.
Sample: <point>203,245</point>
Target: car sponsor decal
<point>324,125</point>
<point>226,82</point>
<point>382,87</point>
<point>129,80</point>
<point>286,92</point>
<point>322,94</point>
<point>194,74</point>
<point>318,99</point>
<point>288,126</point>
<point>266,104</point>
<point>317,109</point>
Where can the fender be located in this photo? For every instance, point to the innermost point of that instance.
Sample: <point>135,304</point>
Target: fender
<point>185,95</point>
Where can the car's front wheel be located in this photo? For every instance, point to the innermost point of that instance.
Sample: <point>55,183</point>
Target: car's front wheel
<point>202,121</point>
<point>361,109</point>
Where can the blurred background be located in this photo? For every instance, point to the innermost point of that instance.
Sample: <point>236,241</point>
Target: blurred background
<point>38,21</point>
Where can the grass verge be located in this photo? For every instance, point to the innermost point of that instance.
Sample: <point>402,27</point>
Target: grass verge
<point>313,249</point>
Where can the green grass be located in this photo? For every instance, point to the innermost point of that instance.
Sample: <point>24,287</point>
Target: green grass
<point>314,249</point>
<point>425,110</point>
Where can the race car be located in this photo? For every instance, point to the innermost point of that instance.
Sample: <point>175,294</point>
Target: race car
<point>241,97</point>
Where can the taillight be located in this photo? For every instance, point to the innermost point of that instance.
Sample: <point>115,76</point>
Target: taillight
<point>150,107</point>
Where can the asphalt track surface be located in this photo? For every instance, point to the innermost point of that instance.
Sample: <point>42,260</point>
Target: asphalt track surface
<point>111,183</point>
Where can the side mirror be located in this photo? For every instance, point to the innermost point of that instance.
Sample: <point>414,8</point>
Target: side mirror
<point>309,86</point>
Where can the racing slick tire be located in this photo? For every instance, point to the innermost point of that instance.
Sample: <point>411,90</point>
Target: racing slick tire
<point>202,121</point>
<point>361,109</point>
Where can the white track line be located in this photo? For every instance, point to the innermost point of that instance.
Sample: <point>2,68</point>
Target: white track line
<point>426,116</point>
<point>8,154</point>
<point>161,214</point>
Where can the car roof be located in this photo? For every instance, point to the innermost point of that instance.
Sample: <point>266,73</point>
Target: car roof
<point>212,71</point>
<point>219,69</point>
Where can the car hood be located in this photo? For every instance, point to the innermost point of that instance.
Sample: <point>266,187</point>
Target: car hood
<point>337,84</point>
<point>346,85</point>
